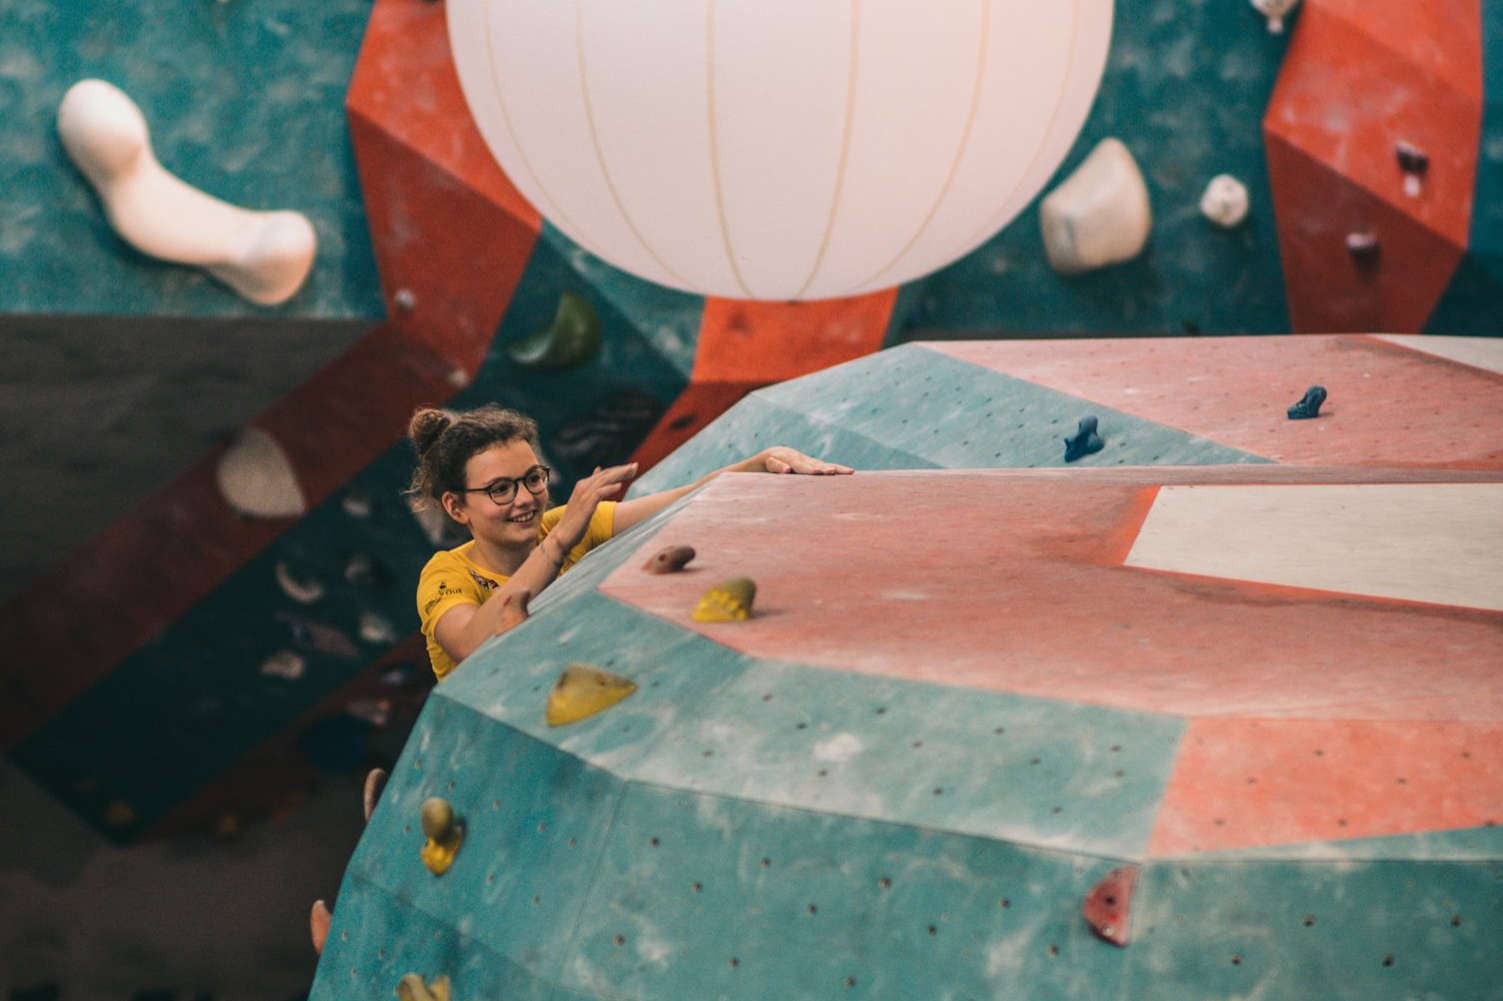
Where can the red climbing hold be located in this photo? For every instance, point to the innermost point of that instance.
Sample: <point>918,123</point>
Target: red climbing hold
<point>1108,906</point>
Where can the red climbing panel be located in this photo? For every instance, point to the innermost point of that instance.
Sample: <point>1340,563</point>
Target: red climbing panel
<point>451,233</point>
<point>744,345</point>
<point>1358,80</point>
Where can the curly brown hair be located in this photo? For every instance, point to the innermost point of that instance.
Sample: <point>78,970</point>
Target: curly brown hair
<point>446,440</point>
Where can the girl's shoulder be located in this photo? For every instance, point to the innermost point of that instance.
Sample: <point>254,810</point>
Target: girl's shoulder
<point>457,558</point>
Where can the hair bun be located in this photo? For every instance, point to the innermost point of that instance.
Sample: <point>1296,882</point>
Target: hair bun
<point>425,427</point>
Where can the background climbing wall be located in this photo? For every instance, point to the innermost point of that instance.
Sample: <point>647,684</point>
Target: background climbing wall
<point>125,379</point>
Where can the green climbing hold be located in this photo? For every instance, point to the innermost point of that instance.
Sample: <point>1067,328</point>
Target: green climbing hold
<point>572,339</point>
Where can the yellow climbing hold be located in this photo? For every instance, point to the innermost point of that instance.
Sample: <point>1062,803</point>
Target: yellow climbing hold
<point>729,601</point>
<point>444,832</point>
<point>413,988</point>
<point>582,691</point>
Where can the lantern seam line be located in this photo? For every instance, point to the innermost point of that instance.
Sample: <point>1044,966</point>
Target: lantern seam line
<point>610,185</point>
<point>490,55</point>
<point>725,228</point>
<point>960,152</point>
<point>845,148</point>
<point>1059,101</point>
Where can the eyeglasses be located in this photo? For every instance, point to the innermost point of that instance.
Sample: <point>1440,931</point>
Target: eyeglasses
<point>503,490</point>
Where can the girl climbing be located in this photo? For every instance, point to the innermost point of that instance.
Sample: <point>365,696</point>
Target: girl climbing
<point>482,468</point>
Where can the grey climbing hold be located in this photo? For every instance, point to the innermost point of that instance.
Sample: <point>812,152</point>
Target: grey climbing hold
<point>572,338</point>
<point>1309,404</point>
<point>1085,440</point>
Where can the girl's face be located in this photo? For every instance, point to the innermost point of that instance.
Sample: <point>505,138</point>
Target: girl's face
<point>512,524</point>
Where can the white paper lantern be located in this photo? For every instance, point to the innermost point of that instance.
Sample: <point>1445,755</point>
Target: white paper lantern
<point>779,149</point>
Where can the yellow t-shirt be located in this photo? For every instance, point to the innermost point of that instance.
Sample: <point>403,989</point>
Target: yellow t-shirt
<point>451,578</point>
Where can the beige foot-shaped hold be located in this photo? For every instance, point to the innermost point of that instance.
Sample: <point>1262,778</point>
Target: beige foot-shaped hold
<point>318,925</point>
<point>264,256</point>
<point>1100,215</point>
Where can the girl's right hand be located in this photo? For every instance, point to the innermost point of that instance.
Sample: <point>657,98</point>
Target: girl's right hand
<point>601,485</point>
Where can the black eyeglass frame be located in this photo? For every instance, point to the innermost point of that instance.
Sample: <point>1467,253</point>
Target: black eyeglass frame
<point>512,483</point>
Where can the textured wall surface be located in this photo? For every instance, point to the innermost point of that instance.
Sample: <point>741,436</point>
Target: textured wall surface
<point>918,759</point>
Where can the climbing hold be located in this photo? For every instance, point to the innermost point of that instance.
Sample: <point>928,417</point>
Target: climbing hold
<point>1085,440</point>
<point>1363,246</point>
<point>669,559</point>
<point>444,832</point>
<point>119,814</point>
<point>1309,404</point>
<point>412,988</point>
<point>404,299</point>
<point>318,636</point>
<point>361,570</point>
<point>1225,201</point>
<point>318,925</point>
<point>582,691</point>
<point>729,601</point>
<point>257,480</point>
<point>1275,11</point>
<point>1108,907</point>
<point>376,630</point>
<point>438,528</point>
<point>1100,215</point>
<point>375,781</point>
<point>572,338</point>
<point>610,429</point>
<point>303,590</point>
<point>284,664</point>
<point>376,712</point>
<point>356,503</point>
<point>264,256</point>
<point>1414,163</point>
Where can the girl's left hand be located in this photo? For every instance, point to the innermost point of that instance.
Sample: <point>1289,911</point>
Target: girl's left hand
<point>782,459</point>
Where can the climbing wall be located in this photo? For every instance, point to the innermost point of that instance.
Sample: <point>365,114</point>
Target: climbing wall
<point>480,300</point>
<point>1213,710</point>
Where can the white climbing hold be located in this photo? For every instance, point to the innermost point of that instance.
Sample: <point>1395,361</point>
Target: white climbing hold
<point>1100,215</point>
<point>256,478</point>
<point>1275,11</point>
<point>376,630</point>
<point>433,522</point>
<point>356,504</point>
<point>284,664</point>
<point>1225,201</point>
<point>264,256</point>
<point>304,591</point>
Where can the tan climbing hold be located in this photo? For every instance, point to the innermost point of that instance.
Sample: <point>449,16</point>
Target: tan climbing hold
<point>375,781</point>
<point>1100,215</point>
<point>669,559</point>
<point>444,832</point>
<point>582,691</point>
<point>412,987</point>
<point>729,601</point>
<point>318,925</point>
<point>256,478</point>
